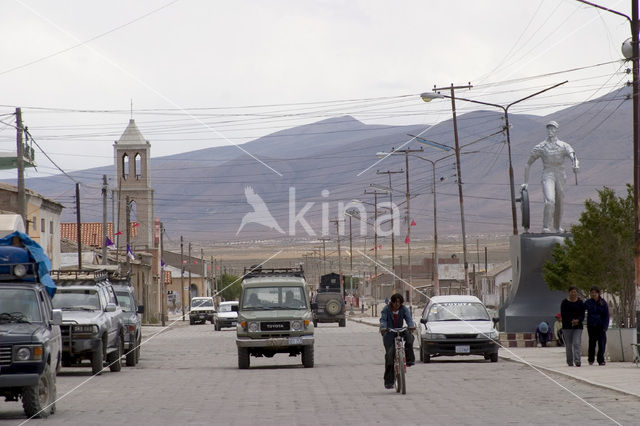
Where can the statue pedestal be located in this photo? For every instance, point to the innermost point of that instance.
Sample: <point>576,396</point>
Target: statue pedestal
<point>530,301</point>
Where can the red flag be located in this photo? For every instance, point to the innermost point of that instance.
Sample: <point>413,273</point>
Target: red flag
<point>372,248</point>
<point>413,222</point>
<point>195,262</point>
<point>135,224</point>
<point>407,240</point>
<point>184,262</point>
<point>118,233</point>
<point>380,247</point>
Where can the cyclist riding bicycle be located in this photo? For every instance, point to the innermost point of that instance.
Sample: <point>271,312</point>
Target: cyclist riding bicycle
<point>393,316</point>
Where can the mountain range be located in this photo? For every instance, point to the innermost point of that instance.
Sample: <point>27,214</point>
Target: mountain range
<point>201,194</point>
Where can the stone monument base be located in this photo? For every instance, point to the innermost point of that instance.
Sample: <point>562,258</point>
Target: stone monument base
<point>530,301</point>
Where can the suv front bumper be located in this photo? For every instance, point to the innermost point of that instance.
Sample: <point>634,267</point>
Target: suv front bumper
<point>274,342</point>
<point>80,345</point>
<point>18,380</point>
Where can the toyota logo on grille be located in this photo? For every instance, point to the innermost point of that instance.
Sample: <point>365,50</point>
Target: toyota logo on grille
<point>274,325</point>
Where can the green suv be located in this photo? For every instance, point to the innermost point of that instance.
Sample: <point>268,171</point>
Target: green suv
<point>274,316</point>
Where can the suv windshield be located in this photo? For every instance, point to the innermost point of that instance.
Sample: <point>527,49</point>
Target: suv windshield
<point>125,301</point>
<point>274,297</point>
<point>76,299</point>
<point>458,311</point>
<point>18,305</point>
<point>197,303</point>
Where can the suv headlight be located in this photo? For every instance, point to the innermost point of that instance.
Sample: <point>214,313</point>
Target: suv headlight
<point>434,336</point>
<point>296,325</point>
<point>254,326</point>
<point>28,353</point>
<point>85,329</point>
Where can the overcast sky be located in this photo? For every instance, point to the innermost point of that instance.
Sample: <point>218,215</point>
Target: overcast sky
<point>204,73</point>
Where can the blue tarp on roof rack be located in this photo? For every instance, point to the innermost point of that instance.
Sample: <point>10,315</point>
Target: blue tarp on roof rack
<point>41,259</point>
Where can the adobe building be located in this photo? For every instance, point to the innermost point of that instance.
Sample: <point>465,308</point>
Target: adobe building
<point>43,218</point>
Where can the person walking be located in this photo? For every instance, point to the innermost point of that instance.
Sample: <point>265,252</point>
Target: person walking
<point>597,325</point>
<point>572,311</point>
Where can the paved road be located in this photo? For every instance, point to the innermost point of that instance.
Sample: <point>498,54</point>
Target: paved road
<point>189,375</point>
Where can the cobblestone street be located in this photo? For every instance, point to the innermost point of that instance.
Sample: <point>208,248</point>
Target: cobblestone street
<point>188,375</point>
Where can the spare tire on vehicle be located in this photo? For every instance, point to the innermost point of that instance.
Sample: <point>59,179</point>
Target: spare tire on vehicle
<point>332,307</point>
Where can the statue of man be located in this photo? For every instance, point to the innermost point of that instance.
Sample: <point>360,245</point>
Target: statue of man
<point>552,151</point>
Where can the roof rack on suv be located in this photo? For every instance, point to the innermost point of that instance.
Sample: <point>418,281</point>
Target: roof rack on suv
<point>258,271</point>
<point>61,275</point>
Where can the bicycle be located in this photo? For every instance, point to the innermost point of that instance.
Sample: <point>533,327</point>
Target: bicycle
<point>400,361</point>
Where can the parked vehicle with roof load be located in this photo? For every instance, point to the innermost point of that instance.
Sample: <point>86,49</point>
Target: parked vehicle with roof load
<point>30,341</point>
<point>328,303</point>
<point>92,327</point>
<point>131,318</point>
<point>274,315</point>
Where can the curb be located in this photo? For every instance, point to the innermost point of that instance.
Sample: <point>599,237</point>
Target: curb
<point>562,373</point>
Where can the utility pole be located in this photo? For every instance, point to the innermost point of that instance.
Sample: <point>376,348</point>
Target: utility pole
<point>128,232</point>
<point>182,274</point>
<point>337,222</point>
<point>189,283</point>
<point>116,224</point>
<point>163,287</point>
<point>324,254</point>
<point>22,201</point>
<point>78,225</point>
<point>375,228</point>
<point>393,237</point>
<point>204,273</point>
<point>104,219</point>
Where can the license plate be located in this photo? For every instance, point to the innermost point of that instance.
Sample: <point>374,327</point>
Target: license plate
<point>463,349</point>
<point>295,340</point>
<point>233,323</point>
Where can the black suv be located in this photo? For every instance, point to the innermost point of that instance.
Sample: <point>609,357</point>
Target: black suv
<point>131,319</point>
<point>91,319</point>
<point>29,334</point>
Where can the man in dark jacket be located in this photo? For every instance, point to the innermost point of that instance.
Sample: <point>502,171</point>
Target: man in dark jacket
<point>597,325</point>
<point>393,315</point>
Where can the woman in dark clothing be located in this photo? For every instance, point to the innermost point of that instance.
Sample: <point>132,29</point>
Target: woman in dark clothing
<point>572,310</point>
<point>597,325</point>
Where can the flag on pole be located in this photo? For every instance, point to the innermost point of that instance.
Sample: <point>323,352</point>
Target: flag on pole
<point>109,244</point>
<point>184,262</point>
<point>162,263</point>
<point>380,247</point>
<point>372,248</point>
<point>130,253</point>
<point>118,233</point>
<point>413,222</point>
<point>135,224</point>
<point>407,240</point>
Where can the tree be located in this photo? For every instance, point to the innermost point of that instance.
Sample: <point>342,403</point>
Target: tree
<point>229,286</point>
<point>601,253</point>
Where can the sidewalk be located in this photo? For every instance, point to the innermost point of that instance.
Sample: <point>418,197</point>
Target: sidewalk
<point>619,376</point>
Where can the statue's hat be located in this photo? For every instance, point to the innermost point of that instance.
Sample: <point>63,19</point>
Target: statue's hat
<point>553,123</point>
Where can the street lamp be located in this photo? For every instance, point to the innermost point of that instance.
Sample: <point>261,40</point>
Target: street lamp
<point>428,96</point>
